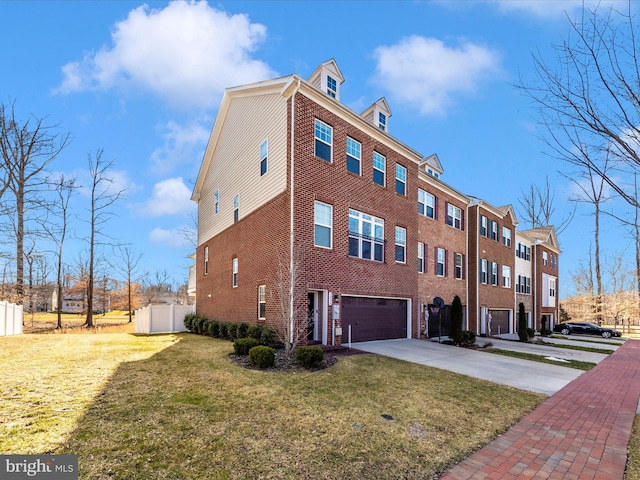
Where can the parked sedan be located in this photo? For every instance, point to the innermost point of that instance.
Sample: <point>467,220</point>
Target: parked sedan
<point>583,328</point>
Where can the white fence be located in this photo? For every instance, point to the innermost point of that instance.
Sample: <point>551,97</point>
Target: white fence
<point>162,318</point>
<point>10,319</point>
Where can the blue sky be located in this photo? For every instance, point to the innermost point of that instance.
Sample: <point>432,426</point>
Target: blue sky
<point>143,81</point>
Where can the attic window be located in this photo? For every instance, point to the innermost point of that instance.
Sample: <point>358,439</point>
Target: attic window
<point>382,121</point>
<point>332,87</point>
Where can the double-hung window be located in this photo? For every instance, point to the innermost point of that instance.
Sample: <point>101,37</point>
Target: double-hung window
<point>483,225</point>
<point>552,287</point>
<point>420,257</point>
<point>440,262</point>
<point>426,204</point>
<point>484,276</point>
<point>323,140</point>
<point>234,272</point>
<point>263,157</point>
<point>382,121</point>
<point>454,216</point>
<point>506,276</point>
<point>354,156</point>
<point>494,231</point>
<point>206,260</point>
<point>216,201</point>
<point>262,302</point>
<point>236,208</point>
<point>366,236</point>
<point>545,259</point>
<point>506,237</point>
<point>332,87</point>
<point>379,168</point>
<point>494,273</point>
<point>401,245</point>
<point>459,266</point>
<point>322,225</point>
<point>401,179</point>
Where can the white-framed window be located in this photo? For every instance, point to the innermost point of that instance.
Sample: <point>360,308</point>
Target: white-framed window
<point>323,140</point>
<point>206,260</point>
<point>426,204</point>
<point>545,259</point>
<point>264,148</point>
<point>484,275</point>
<point>441,262</point>
<point>322,225</point>
<point>523,285</point>
<point>483,225</point>
<point>332,87</point>
<point>379,168</point>
<point>262,302</point>
<point>401,245</point>
<point>401,179</point>
<point>459,266</point>
<point>354,155</point>
<point>506,237</point>
<point>494,231</point>
<point>454,216</point>
<point>506,276</point>
<point>494,273</point>
<point>216,201</point>
<point>234,272</point>
<point>236,208</point>
<point>382,121</point>
<point>366,236</point>
<point>552,287</point>
<point>420,257</point>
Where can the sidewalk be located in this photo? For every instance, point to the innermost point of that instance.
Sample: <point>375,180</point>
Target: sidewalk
<point>581,432</point>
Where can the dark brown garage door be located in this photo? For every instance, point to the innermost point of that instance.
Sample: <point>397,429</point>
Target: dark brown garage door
<point>499,321</point>
<point>373,319</point>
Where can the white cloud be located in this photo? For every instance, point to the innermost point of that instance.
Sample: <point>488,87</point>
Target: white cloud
<point>427,73</point>
<point>171,238</point>
<point>183,144</point>
<point>186,53</point>
<point>169,197</point>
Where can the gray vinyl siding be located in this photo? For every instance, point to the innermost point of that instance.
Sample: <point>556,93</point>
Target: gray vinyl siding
<point>235,166</point>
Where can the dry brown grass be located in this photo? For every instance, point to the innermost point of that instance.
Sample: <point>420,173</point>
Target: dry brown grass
<point>116,321</point>
<point>175,406</point>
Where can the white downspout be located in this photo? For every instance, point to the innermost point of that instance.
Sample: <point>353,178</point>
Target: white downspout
<point>477,280</point>
<point>291,226</point>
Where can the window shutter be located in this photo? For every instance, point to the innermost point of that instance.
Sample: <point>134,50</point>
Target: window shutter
<point>463,267</point>
<point>462,219</point>
<point>435,208</point>
<point>446,263</point>
<point>426,258</point>
<point>435,261</point>
<point>446,213</point>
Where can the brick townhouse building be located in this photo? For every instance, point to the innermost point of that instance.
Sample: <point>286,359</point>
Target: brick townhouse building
<point>293,180</point>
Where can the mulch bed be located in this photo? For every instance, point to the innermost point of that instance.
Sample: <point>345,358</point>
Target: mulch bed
<point>286,364</point>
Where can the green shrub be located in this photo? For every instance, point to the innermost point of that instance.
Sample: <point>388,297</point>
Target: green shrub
<point>531,332</point>
<point>262,356</point>
<point>523,335</point>
<point>268,337</point>
<point>204,328</point>
<point>456,320</point>
<point>223,328</point>
<point>255,331</point>
<point>468,338</point>
<point>197,324</point>
<point>214,329</point>
<point>189,319</point>
<point>232,331</point>
<point>242,345</point>
<point>242,329</point>
<point>309,357</point>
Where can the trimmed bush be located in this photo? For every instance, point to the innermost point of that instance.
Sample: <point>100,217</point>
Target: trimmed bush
<point>468,338</point>
<point>223,329</point>
<point>310,356</point>
<point>255,331</point>
<point>214,329</point>
<point>232,331</point>
<point>523,335</point>
<point>456,320</point>
<point>531,332</point>
<point>268,337</point>
<point>242,345</point>
<point>262,356</point>
<point>204,328</point>
<point>242,329</point>
<point>189,319</point>
<point>197,324</point>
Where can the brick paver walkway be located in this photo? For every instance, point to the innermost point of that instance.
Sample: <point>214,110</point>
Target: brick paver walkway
<point>581,432</point>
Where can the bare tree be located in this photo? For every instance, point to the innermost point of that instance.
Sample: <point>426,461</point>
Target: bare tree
<point>128,265</point>
<point>103,197</point>
<point>27,148</point>
<point>587,98</point>
<point>537,207</point>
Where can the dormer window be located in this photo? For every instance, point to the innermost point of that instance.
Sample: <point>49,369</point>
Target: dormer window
<point>382,121</point>
<point>332,87</point>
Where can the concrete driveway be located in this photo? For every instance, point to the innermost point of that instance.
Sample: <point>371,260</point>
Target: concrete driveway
<point>523,374</point>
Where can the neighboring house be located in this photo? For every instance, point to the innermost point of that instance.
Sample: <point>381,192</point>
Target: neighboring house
<point>291,177</point>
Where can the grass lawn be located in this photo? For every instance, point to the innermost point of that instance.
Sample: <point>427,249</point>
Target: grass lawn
<point>541,358</point>
<point>633,460</point>
<point>71,322</point>
<point>175,406</point>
